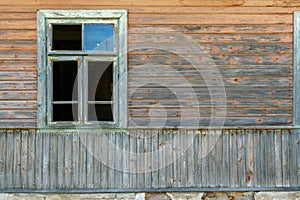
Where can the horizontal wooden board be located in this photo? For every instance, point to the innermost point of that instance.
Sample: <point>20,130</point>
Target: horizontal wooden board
<point>18,85</point>
<point>17,114</point>
<point>211,19</point>
<point>18,75</point>
<point>224,71</point>
<point>26,45</point>
<point>18,123</point>
<point>200,81</point>
<point>206,121</point>
<point>203,93</point>
<point>171,3</point>
<point>18,15</point>
<point>193,29</point>
<point>14,105</point>
<point>211,60</point>
<point>18,95</point>
<point>190,39</point>
<point>19,24</point>
<point>6,66</point>
<point>158,112</point>
<point>18,35</point>
<point>18,54</point>
<point>202,103</point>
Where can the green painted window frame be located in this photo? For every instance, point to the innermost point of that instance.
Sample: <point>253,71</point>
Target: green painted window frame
<point>45,19</point>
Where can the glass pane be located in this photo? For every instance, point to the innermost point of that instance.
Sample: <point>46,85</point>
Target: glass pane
<point>100,112</point>
<point>65,112</point>
<point>66,37</point>
<point>99,37</point>
<point>100,80</point>
<point>64,76</point>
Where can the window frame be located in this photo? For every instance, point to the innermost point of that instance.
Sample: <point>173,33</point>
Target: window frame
<point>45,19</point>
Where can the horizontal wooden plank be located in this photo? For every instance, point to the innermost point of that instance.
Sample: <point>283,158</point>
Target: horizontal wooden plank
<point>18,15</point>
<point>18,54</point>
<point>18,75</point>
<point>20,85</point>
<point>27,45</point>
<point>193,29</point>
<point>211,60</point>
<point>199,81</point>
<point>13,24</point>
<point>230,102</point>
<point>171,3</point>
<point>17,65</point>
<point>154,9</point>
<point>205,122</point>
<point>192,39</point>
<point>212,48</point>
<point>158,112</point>
<point>18,95</point>
<point>13,105</point>
<point>211,19</point>
<point>18,35</point>
<point>203,93</point>
<point>17,114</point>
<point>18,123</point>
<point>224,71</point>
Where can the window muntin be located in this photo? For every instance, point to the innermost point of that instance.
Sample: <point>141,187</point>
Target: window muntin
<point>89,50</point>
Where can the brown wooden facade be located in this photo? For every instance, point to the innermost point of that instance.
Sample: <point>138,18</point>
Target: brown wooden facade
<point>251,45</point>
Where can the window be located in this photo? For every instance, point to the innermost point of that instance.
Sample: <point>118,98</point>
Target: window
<point>82,68</point>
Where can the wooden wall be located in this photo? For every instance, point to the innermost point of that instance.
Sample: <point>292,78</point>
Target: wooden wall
<point>249,41</point>
<point>150,159</point>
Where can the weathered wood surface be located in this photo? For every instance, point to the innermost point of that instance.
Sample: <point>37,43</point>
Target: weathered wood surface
<point>250,43</point>
<point>176,159</point>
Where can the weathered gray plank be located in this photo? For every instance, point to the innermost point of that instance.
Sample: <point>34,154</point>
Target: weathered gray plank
<point>271,158</point>
<point>97,161</point>
<point>82,161</point>
<point>148,157</point>
<point>9,173</point>
<point>89,160</point>
<point>126,160</point>
<point>162,159</point>
<point>31,158</point>
<point>76,160</point>
<point>15,105</point>
<point>233,159</point>
<point>140,161</point>
<point>119,160</point>
<point>17,159</point>
<point>24,158</point>
<point>112,160</point>
<point>17,95</point>
<point>155,160</point>
<point>285,158</point>
<point>293,154</point>
<point>225,167</point>
<point>17,114</point>
<point>54,161</point>
<point>249,156</point>
<point>68,160</point>
<point>38,159</point>
<point>197,157</point>
<point>18,76</point>
<point>205,154</point>
<point>133,159</point>
<point>46,161</point>
<point>20,85</point>
<point>278,158</point>
<point>3,159</point>
<point>60,161</point>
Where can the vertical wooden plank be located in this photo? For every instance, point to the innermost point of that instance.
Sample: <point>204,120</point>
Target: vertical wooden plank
<point>271,158</point>
<point>17,159</point>
<point>31,159</point>
<point>140,161</point>
<point>155,159</point>
<point>89,161</point>
<point>241,158</point>
<point>96,162</point>
<point>293,159</point>
<point>3,159</point>
<point>257,163</point>
<point>263,157</point>
<point>197,158</point>
<point>126,160</point>
<point>225,168</point>
<point>233,159</point>
<point>147,158</point>
<point>212,164</point>
<point>9,159</point>
<point>133,159</point>
<point>53,161</point>
<point>39,159</point>
<point>75,160</point>
<point>119,159</point>
<point>82,161</point>
<point>177,158</point>
<point>24,158</point>
<point>205,154</point>
<point>104,152</point>
<point>218,158</point>
<point>183,158</point>
<point>278,159</point>
<point>112,160</point>
<point>285,159</point>
<point>190,160</point>
<point>249,158</point>
<point>162,161</point>
<point>60,161</point>
<point>46,167</point>
<point>298,156</point>
<point>67,159</point>
<point>168,157</point>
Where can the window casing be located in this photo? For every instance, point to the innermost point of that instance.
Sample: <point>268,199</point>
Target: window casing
<point>83,51</point>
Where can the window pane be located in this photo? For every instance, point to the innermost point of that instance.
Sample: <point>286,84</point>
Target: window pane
<point>66,37</point>
<point>100,80</point>
<point>65,112</point>
<point>64,76</point>
<point>100,112</point>
<point>99,37</point>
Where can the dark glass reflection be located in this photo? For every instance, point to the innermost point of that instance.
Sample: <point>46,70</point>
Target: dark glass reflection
<point>100,81</point>
<point>66,37</point>
<point>64,76</point>
<point>65,112</point>
<point>100,112</point>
